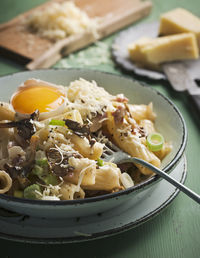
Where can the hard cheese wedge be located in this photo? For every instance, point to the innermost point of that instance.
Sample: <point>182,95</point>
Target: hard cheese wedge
<point>135,50</point>
<point>179,21</point>
<point>152,52</point>
<point>138,56</point>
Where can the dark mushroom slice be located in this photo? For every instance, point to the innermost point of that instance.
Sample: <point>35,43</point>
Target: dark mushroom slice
<point>22,169</point>
<point>58,161</point>
<point>96,122</point>
<point>25,128</point>
<point>77,128</point>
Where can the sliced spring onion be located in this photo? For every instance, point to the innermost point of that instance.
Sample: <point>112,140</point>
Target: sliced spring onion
<point>57,122</point>
<point>155,141</point>
<point>126,180</point>
<point>18,193</point>
<point>41,162</point>
<point>50,179</point>
<point>30,192</point>
<point>38,171</point>
<point>100,162</point>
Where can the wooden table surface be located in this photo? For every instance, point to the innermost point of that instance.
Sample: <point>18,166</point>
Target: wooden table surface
<point>173,233</point>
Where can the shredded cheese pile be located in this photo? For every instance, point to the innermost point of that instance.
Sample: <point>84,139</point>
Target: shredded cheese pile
<point>61,20</point>
<point>88,98</point>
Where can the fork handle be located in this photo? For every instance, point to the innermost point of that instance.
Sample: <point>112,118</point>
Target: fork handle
<point>167,177</point>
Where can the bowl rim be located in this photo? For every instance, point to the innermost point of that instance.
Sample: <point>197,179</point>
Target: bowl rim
<point>144,184</point>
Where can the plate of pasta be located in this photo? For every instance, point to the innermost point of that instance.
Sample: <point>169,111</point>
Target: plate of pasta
<point>55,126</point>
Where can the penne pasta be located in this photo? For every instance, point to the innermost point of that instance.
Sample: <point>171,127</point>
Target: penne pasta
<point>132,144</point>
<point>69,192</point>
<point>140,112</point>
<point>6,112</point>
<point>79,165</point>
<point>148,126</point>
<point>5,182</point>
<point>107,178</point>
<point>84,147</point>
<point>167,147</point>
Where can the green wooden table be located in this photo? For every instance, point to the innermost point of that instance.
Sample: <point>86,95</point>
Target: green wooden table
<point>176,231</point>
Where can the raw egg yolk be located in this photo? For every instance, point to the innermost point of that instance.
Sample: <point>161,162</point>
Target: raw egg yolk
<point>43,98</point>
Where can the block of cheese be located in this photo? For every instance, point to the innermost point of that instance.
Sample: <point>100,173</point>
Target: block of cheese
<point>136,54</point>
<point>179,21</point>
<point>152,52</point>
<point>135,47</point>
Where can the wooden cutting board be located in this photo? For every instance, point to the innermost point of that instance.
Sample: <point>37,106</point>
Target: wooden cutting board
<point>36,52</point>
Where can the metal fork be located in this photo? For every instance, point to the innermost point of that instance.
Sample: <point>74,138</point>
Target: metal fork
<point>114,154</point>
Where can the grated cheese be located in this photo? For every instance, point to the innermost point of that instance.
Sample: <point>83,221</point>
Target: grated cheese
<point>60,20</point>
<point>88,98</point>
<point>96,55</point>
<point>51,192</point>
<point>101,138</point>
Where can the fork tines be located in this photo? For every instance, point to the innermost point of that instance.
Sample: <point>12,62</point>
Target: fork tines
<point>111,147</point>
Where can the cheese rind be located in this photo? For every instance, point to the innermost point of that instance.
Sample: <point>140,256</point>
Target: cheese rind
<point>152,52</point>
<point>179,21</point>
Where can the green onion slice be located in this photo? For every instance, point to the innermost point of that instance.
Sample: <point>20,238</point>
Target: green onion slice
<point>57,122</point>
<point>18,193</point>
<point>100,162</point>
<point>155,141</point>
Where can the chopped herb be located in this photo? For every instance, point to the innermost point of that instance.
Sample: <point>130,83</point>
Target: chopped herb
<point>51,179</point>
<point>57,122</point>
<point>100,162</point>
<point>38,171</point>
<point>30,192</point>
<point>18,193</point>
<point>41,162</point>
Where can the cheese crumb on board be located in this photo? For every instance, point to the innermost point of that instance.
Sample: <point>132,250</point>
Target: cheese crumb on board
<point>58,21</point>
<point>179,20</point>
<point>98,54</point>
<point>152,52</point>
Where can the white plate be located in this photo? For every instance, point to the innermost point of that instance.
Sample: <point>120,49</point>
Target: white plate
<point>35,230</point>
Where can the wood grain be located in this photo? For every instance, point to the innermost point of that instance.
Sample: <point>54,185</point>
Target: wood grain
<point>43,53</point>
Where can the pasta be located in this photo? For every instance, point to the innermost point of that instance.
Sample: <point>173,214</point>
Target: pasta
<point>69,192</point>
<point>131,143</point>
<point>6,111</point>
<point>5,182</point>
<point>85,166</point>
<point>107,178</point>
<point>56,155</point>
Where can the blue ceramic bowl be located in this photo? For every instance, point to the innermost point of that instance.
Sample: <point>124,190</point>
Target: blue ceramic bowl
<point>169,122</point>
